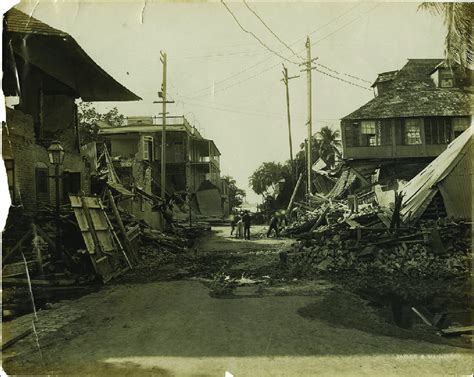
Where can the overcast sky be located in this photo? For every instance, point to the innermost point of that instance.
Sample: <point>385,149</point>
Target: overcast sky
<point>226,83</point>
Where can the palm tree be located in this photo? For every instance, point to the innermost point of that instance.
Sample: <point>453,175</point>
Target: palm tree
<point>329,145</point>
<point>458,19</point>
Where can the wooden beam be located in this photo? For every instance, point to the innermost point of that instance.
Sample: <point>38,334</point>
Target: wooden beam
<point>123,232</point>
<point>17,246</point>
<point>290,204</point>
<point>16,338</point>
<point>361,177</point>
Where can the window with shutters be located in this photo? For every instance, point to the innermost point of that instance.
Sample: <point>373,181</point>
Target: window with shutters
<point>385,127</point>
<point>438,130</point>
<point>147,148</point>
<point>351,134</point>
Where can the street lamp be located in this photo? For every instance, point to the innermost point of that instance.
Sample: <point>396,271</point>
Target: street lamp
<point>56,153</point>
<point>56,158</point>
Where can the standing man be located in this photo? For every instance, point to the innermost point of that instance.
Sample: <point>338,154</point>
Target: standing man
<point>273,225</point>
<point>235,217</point>
<point>247,220</point>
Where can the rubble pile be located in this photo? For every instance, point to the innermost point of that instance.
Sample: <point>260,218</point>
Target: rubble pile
<point>31,257</point>
<point>332,239</point>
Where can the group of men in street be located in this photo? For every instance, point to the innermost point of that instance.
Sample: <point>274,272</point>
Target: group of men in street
<point>241,223</point>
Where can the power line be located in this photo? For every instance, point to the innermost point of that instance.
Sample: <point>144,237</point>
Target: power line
<point>255,36</point>
<point>328,23</point>
<point>347,24</point>
<point>252,112</point>
<point>225,54</point>
<point>338,78</point>
<point>191,101</point>
<point>271,31</point>
<point>268,58</point>
<point>342,73</point>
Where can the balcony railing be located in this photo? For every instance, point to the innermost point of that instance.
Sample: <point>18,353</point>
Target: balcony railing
<point>172,120</point>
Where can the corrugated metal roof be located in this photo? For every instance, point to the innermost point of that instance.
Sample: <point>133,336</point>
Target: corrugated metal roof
<point>422,188</point>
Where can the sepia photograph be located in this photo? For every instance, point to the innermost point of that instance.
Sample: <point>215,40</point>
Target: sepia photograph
<point>237,188</point>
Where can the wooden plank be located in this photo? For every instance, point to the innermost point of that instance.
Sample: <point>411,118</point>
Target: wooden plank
<point>95,239</point>
<point>320,219</point>
<point>17,246</point>
<point>16,338</point>
<point>385,220</point>
<point>43,234</point>
<point>457,330</point>
<point>353,224</point>
<point>20,281</point>
<point>290,204</point>
<point>118,218</point>
<point>16,269</point>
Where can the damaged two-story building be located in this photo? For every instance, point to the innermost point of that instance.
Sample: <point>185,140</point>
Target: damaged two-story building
<point>45,71</point>
<point>417,111</point>
<point>192,162</point>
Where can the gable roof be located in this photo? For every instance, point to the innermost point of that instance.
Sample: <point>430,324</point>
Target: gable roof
<point>412,93</point>
<point>384,77</point>
<point>36,43</point>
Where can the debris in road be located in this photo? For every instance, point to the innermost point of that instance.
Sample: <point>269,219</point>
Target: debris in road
<point>222,285</point>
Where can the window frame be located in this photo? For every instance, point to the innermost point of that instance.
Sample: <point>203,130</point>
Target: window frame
<point>406,138</point>
<point>43,174</point>
<point>148,150</point>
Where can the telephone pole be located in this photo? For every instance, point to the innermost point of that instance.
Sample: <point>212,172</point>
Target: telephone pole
<point>285,81</point>
<point>163,96</point>
<point>309,123</point>
<point>310,110</point>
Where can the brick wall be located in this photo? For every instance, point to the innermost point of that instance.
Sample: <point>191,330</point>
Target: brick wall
<point>19,142</point>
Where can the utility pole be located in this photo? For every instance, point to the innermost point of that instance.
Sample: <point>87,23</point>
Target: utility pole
<point>308,68</point>
<point>163,96</point>
<point>285,81</point>
<point>310,110</point>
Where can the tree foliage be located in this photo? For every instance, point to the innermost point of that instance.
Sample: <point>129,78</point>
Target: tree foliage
<point>328,145</point>
<point>265,178</point>
<point>88,121</point>
<point>325,144</point>
<point>458,20</point>
<point>236,195</point>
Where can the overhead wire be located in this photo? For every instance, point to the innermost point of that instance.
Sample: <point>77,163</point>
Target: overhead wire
<point>268,58</point>
<point>277,115</point>
<point>346,24</point>
<point>271,31</point>
<point>346,81</point>
<point>342,73</point>
<point>255,36</point>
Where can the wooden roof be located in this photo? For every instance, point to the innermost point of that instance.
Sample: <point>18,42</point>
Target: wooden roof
<point>412,93</point>
<point>36,42</point>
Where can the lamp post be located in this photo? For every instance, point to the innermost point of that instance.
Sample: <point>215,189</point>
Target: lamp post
<point>56,158</point>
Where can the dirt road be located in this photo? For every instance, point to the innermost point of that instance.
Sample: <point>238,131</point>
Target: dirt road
<point>269,328</point>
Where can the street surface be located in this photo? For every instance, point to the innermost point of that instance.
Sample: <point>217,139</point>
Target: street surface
<point>175,328</point>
